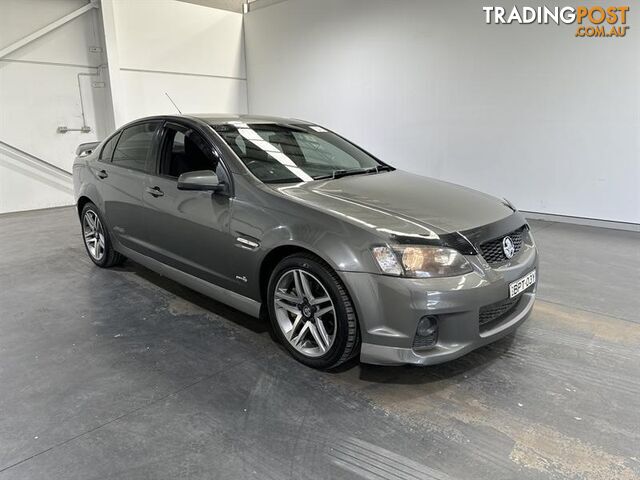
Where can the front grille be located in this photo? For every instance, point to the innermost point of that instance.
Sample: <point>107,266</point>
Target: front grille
<point>497,311</point>
<point>492,250</point>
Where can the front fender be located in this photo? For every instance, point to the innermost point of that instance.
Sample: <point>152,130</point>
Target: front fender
<point>333,245</point>
<point>341,245</point>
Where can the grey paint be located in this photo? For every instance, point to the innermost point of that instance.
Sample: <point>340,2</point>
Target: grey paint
<point>122,373</point>
<point>240,302</point>
<point>401,202</point>
<point>195,234</point>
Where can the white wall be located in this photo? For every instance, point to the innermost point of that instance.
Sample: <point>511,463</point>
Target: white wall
<point>531,113</point>
<point>192,52</point>
<point>39,92</point>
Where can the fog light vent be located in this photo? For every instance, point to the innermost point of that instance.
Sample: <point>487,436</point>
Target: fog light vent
<point>426,333</point>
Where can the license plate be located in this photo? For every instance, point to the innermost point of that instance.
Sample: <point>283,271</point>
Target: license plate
<point>522,284</point>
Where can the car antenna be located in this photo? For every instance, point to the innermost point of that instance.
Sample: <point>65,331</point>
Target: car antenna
<point>174,103</point>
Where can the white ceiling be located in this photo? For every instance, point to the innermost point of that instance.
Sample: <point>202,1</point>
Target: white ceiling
<point>233,5</point>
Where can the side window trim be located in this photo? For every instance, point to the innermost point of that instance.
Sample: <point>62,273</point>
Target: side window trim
<point>165,147</point>
<point>156,149</point>
<point>100,157</point>
<point>186,129</point>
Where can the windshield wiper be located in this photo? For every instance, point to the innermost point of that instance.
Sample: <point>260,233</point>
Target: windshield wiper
<point>356,171</point>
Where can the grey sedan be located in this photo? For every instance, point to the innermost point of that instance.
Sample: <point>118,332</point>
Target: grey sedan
<point>284,219</point>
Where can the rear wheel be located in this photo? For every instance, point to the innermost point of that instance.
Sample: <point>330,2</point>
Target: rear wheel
<point>311,312</point>
<point>96,238</point>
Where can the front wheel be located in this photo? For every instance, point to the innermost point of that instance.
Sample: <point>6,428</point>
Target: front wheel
<point>311,312</point>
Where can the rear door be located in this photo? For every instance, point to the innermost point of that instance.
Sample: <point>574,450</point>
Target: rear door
<point>122,179</point>
<point>189,230</point>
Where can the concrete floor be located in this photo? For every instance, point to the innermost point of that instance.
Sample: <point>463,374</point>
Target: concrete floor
<point>123,374</point>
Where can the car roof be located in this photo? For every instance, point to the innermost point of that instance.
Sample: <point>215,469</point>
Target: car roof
<point>217,119</point>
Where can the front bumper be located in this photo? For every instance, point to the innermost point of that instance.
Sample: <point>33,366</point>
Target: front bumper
<point>389,309</point>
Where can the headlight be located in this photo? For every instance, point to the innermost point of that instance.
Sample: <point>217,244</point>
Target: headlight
<point>421,261</point>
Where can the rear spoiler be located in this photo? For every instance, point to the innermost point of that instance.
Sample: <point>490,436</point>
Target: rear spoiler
<point>85,149</point>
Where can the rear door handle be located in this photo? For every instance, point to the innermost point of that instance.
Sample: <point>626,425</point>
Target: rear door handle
<point>155,191</point>
<point>103,174</point>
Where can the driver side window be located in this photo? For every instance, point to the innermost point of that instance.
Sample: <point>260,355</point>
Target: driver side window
<point>186,151</point>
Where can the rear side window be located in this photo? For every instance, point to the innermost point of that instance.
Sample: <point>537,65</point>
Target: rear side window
<point>107,150</point>
<point>134,147</point>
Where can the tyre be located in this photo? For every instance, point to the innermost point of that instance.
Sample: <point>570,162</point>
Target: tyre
<point>96,238</point>
<point>311,312</point>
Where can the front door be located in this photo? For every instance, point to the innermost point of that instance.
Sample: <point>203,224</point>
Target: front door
<point>189,230</point>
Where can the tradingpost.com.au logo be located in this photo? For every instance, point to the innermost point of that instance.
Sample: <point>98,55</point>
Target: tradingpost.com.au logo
<point>593,21</point>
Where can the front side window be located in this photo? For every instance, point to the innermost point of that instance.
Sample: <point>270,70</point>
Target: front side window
<point>186,151</point>
<point>134,147</point>
<point>278,153</point>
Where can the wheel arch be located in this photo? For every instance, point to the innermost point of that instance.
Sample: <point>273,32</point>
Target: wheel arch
<point>88,193</point>
<point>82,201</point>
<point>353,339</point>
<point>276,254</point>
<point>272,258</point>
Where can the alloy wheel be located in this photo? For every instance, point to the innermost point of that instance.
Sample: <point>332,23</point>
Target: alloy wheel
<point>305,312</point>
<point>93,235</point>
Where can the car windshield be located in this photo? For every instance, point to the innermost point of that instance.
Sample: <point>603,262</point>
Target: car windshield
<point>279,153</point>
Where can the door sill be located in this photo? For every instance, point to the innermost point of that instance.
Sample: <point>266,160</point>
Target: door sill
<point>222,295</point>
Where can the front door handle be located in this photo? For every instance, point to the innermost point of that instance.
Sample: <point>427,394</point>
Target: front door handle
<point>102,174</point>
<point>155,191</point>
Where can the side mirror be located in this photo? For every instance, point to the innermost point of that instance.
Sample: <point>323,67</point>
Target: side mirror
<point>203,180</point>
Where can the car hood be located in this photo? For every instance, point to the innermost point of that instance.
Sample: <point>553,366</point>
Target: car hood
<point>400,203</point>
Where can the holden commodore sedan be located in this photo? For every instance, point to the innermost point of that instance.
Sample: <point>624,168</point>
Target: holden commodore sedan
<point>286,220</point>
